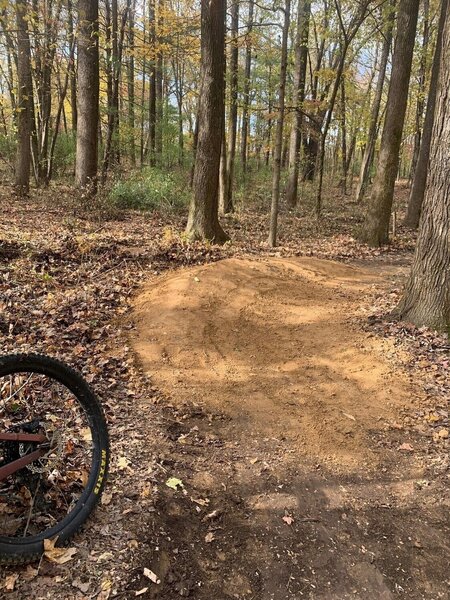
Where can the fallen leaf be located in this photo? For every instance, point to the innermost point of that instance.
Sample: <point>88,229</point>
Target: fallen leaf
<point>152,576</point>
<point>406,447</point>
<point>209,537</point>
<point>348,416</point>
<point>288,520</point>
<point>86,434</point>
<point>174,483</point>
<point>201,501</point>
<point>10,581</point>
<point>57,555</point>
<point>122,462</point>
<point>30,573</point>
<point>106,499</point>
<point>83,586</point>
<point>105,556</point>
<point>212,515</point>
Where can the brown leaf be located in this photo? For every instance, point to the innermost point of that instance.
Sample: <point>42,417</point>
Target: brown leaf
<point>10,581</point>
<point>59,556</point>
<point>406,447</point>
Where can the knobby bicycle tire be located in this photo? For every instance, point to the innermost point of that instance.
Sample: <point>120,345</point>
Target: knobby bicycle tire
<point>28,549</point>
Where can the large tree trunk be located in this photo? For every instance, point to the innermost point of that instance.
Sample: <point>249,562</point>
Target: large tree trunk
<point>421,170</point>
<point>232,123</point>
<point>298,97</point>
<point>88,92</point>
<point>24,101</point>
<point>376,226</point>
<point>203,222</point>
<point>427,296</point>
<point>279,131</point>
<point>246,93</point>
<point>369,150</point>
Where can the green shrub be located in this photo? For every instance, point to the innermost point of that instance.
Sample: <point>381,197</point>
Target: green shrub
<point>151,189</point>
<point>65,151</point>
<point>7,148</point>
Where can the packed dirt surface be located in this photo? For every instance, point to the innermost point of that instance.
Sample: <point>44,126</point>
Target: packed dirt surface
<point>269,344</point>
<point>291,487</point>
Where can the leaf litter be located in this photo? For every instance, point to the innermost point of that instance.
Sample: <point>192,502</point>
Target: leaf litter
<point>66,286</point>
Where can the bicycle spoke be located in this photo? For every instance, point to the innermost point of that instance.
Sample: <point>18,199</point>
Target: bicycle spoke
<point>45,490</point>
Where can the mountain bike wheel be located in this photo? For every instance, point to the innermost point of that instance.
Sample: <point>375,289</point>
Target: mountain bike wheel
<point>51,426</point>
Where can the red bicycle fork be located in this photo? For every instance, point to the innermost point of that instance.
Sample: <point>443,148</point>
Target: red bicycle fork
<point>23,461</point>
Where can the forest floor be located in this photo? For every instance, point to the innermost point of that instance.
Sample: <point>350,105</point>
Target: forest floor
<point>309,428</point>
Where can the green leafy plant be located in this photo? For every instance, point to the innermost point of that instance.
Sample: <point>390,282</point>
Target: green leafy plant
<point>151,189</point>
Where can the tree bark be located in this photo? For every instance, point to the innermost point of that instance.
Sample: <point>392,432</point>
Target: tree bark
<point>279,131</point>
<point>88,95</point>
<point>130,83</point>
<point>344,163</point>
<point>203,222</point>
<point>112,145</point>
<point>421,171</point>
<point>420,104</point>
<point>298,97</point>
<point>24,101</point>
<point>232,123</point>
<point>376,226</point>
<point>159,75</point>
<point>246,92</point>
<point>426,301</point>
<point>152,83</point>
<point>347,35</point>
<point>369,150</point>
<point>72,67</point>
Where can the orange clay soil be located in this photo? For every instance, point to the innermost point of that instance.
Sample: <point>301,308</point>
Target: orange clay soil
<point>280,417</point>
<point>270,344</point>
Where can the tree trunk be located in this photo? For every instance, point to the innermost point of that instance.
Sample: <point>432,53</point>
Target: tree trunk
<point>376,226</point>
<point>130,82</point>
<point>71,66</point>
<point>152,101</point>
<point>426,301</point>
<point>279,131</point>
<point>232,123</point>
<point>347,36</point>
<point>24,101</point>
<point>88,95</point>
<point>369,150</point>
<point>420,105</point>
<point>344,150</point>
<point>298,97</point>
<point>112,144</point>
<point>246,93</point>
<point>421,171</point>
<point>203,222</point>
<point>159,88</point>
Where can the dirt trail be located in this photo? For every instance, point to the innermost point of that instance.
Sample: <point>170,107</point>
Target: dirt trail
<point>269,344</point>
<point>287,401</point>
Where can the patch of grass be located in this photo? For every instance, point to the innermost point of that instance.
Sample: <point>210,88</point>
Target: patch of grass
<point>151,189</point>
